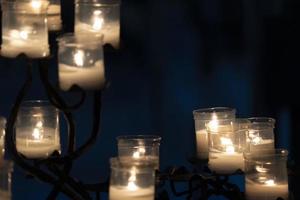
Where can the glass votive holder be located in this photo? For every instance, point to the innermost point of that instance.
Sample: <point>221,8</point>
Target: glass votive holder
<point>37,130</point>
<point>99,16</point>
<point>139,148</point>
<point>2,136</point>
<point>24,28</point>
<point>131,180</point>
<point>6,169</point>
<point>266,175</point>
<point>210,116</point>
<point>54,15</point>
<point>81,62</point>
<point>227,142</point>
<point>261,134</point>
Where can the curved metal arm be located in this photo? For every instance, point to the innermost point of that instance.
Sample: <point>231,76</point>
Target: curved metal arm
<point>11,146</point>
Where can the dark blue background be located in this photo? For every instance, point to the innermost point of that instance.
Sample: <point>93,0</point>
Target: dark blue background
<point>176,56</point>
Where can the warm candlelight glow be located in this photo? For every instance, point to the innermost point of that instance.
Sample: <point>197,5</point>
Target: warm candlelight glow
<point>214,124</point>
<point>261,169</point>
<point>131,181</point>
<point>36,4</point>
<point>98,20</point>
<point>79,58</point>
<point>140,152</point>
<point>270,182</point>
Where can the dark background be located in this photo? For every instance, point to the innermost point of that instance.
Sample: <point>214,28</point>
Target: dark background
<point>177,56</point>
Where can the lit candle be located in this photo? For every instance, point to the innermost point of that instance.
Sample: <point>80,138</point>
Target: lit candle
<point>37,129</point>
<point>131,191</point>
<point>208,117</point>
<point>102,18</point>
<point>143,148</point>
<point>81,62</point>
<point>261,135</point>
<point>131,180</point>
<point>36,144</point>
<point>26,30</point>
<point>266,175</point>
<point>266,190</point>
<point>227,144</point>
<point>228,161</point>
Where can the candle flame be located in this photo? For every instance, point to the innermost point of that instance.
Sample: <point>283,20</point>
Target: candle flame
<point>132,179</point>
<point>36,134</point>
<point>270,182</point>
<point>79,58</point>
<point>255,139</point>
<point>36,4</point>
<point>98,21</point>
<point>261,169</point>
<point>227,143</point>
<point>213,124</point>
<point>140,152</point>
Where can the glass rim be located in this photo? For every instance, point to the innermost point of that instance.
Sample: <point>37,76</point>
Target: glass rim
<point>206,113</point>
<point>152,138</point>
<point>265,153</point>
<point>112,3</point>
<point>262,120</point>
<point>43,8</point>
<point>141,165</point>
<point>69,39</point>
<point>29,104</point>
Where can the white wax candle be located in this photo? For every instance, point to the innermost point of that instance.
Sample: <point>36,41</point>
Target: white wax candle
<point>262,145</point>
<point>17,42</point>
<point>202,144</point>
<point>86,77</point>
<point>257,191</point>
<point>53,17</point>
<point>37,148</point>
<point>123,193</point>
<point>226,163</point>
<point>110,31</point>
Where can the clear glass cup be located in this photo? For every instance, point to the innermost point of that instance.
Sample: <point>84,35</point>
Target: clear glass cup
<point>134,180</point>
<point>261,134</point>
<point>266,175</point>
<point>204,116</point>
<point>24,28</point>
<point>227,142</point>
<point>6,169</point>
<point>139,147</point>
<point>37,129</point>
<point>81,62</point>
<point>54,16</point>
<point>2,136</point>
<point>99,16</point>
